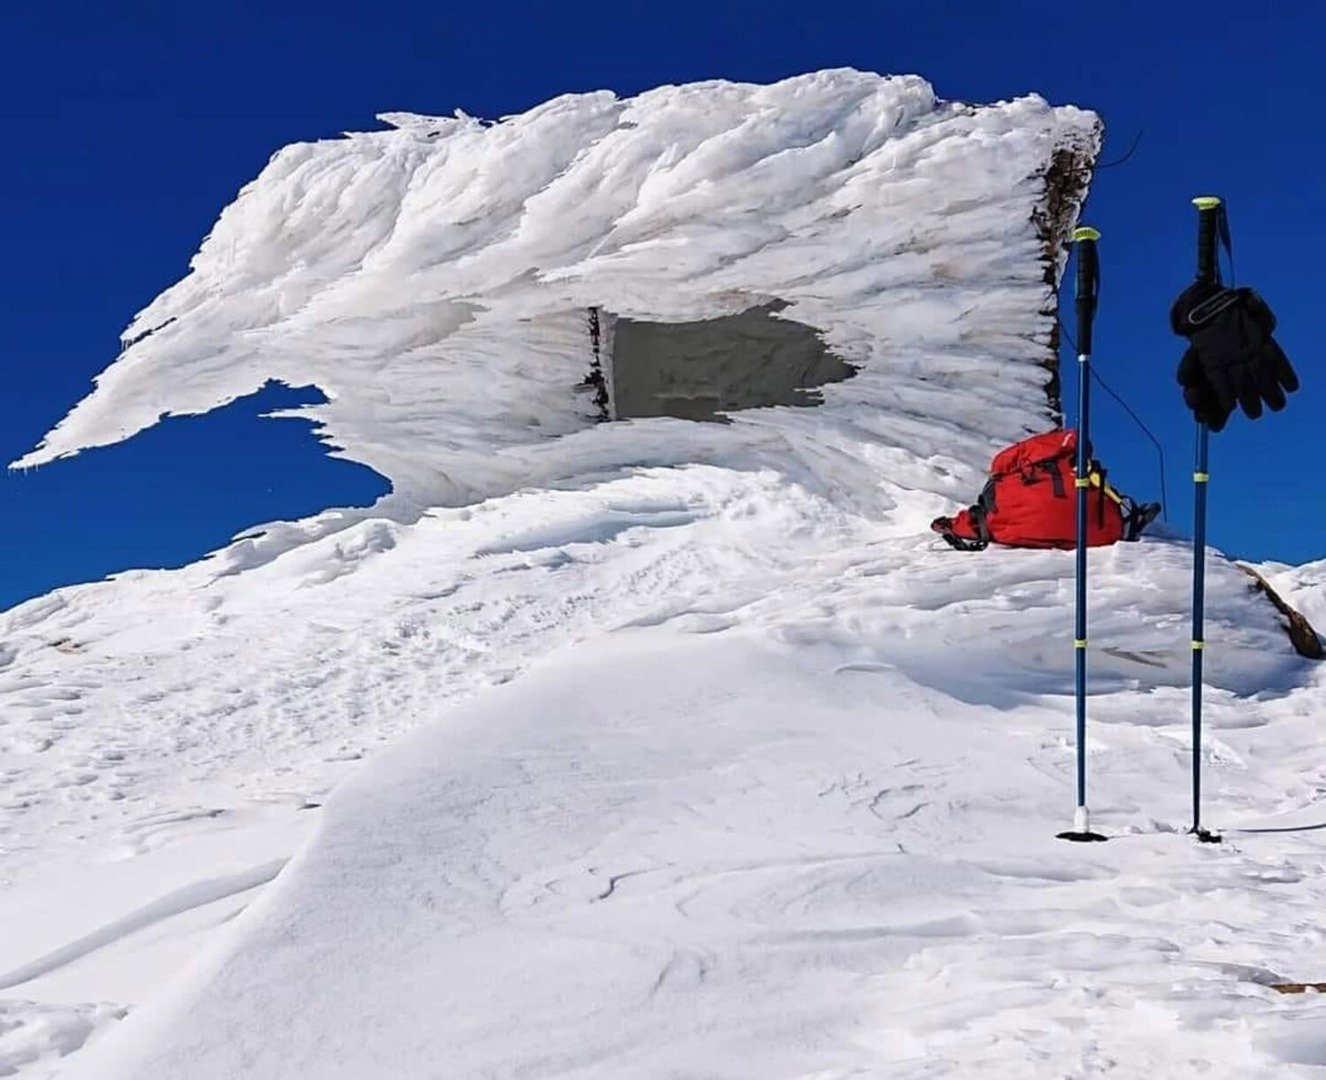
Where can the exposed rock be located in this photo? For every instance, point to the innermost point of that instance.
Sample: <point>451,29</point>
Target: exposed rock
<point>1304,638</point>
<point>1066,182</point>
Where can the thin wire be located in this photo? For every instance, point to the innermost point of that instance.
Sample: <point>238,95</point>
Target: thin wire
<point>1092,170</point>
<point>1119,161</point>
<point>1160,450</point>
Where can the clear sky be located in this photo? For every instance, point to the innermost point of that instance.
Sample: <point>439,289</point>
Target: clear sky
<point>129,127</point>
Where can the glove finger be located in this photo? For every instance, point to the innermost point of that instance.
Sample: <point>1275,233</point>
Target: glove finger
<point>1222,387</point>
<point>1284,371</point>
<point>1205,408</point>
<point>1249,398</point>
<point>1215,415</point>
<point>1269,388</point>
<point>1259,311</point>
<point>1190,367</point>
<point>1198,397</point>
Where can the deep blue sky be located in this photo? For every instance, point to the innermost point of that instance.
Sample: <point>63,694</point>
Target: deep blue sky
<point>129,127</point>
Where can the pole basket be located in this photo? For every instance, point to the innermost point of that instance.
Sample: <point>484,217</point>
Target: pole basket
<point>1081,831</point>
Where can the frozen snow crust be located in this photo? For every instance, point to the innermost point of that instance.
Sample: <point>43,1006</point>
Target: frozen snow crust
<point>707,759</point>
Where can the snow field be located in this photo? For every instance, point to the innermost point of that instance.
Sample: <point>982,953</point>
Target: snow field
<point>922,694</point>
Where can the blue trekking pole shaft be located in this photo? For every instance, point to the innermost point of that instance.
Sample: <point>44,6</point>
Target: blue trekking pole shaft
<point>1201,477</point>
<point>1088,278</point>
<point>1208,216</point>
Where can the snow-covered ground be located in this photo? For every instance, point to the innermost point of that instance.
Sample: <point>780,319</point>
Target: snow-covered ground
<point>802,776</point>
<point>652,749</point>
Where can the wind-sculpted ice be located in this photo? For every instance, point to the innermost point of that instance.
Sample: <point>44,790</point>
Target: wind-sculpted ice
<point>434,279</point>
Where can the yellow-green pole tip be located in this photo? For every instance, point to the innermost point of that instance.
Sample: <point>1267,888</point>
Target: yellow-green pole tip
<point>1206,202</point>
<point>1086,232</point>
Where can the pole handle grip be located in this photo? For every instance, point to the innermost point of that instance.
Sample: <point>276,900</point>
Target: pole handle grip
<point>1208,223</point>
<point>1088,285</point>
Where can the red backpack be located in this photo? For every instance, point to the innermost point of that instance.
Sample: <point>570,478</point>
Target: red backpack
<point>1030,501</point>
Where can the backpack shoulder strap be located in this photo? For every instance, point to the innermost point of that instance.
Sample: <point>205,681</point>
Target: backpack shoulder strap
<point>976,514</point>
<point>1137,516</point>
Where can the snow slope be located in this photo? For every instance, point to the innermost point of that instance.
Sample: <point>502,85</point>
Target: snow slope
<point>796,818</point>
<point>706,758</point>
<point>852,749</point>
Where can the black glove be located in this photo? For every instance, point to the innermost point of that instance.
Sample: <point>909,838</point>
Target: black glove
<point>1232,358</point>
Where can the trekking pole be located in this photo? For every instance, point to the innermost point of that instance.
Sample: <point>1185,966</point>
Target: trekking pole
<point>1208,217</point>
<point>1088,282</point>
